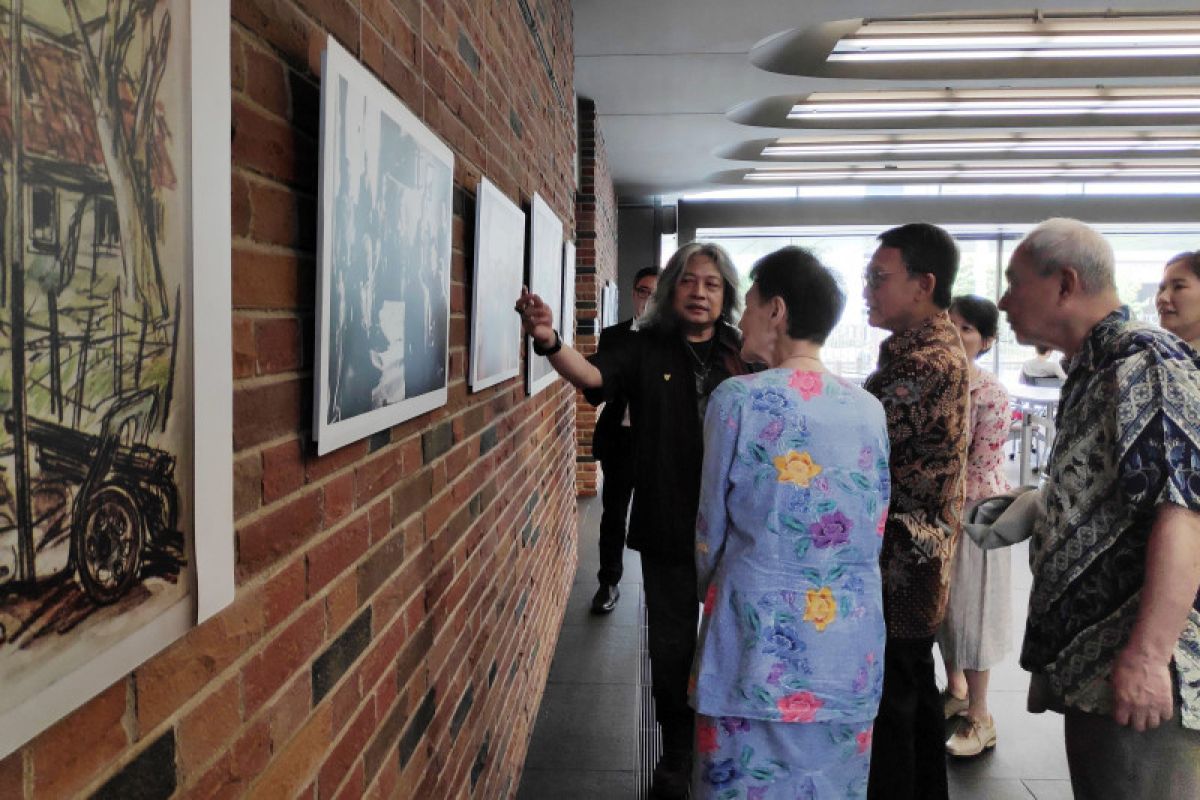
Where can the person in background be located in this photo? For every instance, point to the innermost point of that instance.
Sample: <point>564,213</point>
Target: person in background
<point>1112,640</point>
<point>686,345</point>
<point>793,494</point>
<point>977,630</point>
<point>1178,298</point>
<point>612,445</point>
<point>1041,367</point>
<point>922,381</point>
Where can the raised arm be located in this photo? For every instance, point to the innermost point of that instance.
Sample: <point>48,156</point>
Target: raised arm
<point>538,322</point>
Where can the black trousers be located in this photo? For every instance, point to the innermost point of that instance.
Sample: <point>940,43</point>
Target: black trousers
<point>614,503</point>
<point>908,747</point>
<point>672,615</point>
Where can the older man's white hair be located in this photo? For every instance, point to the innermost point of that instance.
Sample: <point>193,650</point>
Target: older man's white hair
<point>1061,242</point>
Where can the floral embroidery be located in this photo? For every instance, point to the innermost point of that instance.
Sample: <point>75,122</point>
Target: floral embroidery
<point>732,725</point>
<point>832,529</point>
<point>710,599</point>
<point>808,384</point>
<point>799,707</point>
<point>783,642</point>
<point>721,773</point>
<point>797,468</point>
<point>770,400</point>
<point>772,431</point>
<point>706,736</point>
<point>821,609</point>
<point>864,739</point>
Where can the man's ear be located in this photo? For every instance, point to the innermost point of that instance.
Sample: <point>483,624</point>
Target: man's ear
<point>1069,283</point>
<point>926,282</point>
<point>778,308</point>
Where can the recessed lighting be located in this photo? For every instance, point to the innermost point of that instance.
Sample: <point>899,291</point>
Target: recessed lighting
<point>800,149</point>
<point>1086,102</point>
<point>985,171</point>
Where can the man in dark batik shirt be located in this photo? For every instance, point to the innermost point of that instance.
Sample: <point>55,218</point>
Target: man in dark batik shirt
<point>923,383</point>
<point>1113,635</point>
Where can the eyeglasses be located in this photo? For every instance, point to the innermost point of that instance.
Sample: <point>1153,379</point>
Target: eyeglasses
<point>873,280</point>
<point>643,292</point>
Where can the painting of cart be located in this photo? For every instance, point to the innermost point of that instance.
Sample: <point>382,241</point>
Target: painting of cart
<point>94,299</point>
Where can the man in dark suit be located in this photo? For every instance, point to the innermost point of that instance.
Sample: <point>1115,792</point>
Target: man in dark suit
<point>612,444</point>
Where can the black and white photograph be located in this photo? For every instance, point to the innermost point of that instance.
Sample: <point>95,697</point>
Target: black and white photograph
<point>568,294</point>
<point>499,268</point>
<point>384,306</point>
<point>545,280</point>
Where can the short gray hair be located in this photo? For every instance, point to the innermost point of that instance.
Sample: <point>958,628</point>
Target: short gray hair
<point>1061,242</point>
<point>660,311</point>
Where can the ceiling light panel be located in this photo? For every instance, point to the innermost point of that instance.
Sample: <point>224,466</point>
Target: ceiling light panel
<point>1044,45</point>
<point>796,149</point>
<point>1175,170</point>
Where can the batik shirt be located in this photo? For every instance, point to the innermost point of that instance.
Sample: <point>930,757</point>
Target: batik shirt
<point>1128,441</point>
<point>923,383</point>
<point>793,495</point>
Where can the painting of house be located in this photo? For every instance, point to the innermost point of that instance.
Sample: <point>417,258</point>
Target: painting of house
<point>96,302</point>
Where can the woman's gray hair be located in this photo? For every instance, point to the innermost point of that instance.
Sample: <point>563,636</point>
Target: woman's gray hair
<point>1061,242</point>
<point>660,311</point>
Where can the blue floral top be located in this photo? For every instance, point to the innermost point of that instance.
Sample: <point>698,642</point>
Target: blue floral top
<point>793,499</point>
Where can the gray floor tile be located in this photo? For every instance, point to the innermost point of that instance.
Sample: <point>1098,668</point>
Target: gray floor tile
<point>585,727</point>
<point>579,605</point>
<point>596,652</point>
<point>1029,745</point>
<point>1050,790</point>
<point>547,784</point>
<point>987,789</point>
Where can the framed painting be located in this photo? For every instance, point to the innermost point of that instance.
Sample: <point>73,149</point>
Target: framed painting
<point>117,253</point>
<point>383,305</point>
<point>499,269</point>
<point>545,280</point>
<point>568,295</point>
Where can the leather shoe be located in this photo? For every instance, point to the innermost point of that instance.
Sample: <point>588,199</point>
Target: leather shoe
<point>605,599</point>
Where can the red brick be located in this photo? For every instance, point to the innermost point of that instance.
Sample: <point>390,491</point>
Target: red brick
<point>283,594</point>
<point>378,474</point>
<point>240,206</point>
<point>12,775</point>
<point>270,147</point>
<point>244,356</point>
<point>281,657</point>
<point>318,467</point>
<point>338,498</point>
<point>76,749</point>
<point>292,769</point>
<point>278,533</point>
<point>278,345</point>
<point>265,279</point>
<point>207,729</point>
<point>283,470</point>
<point>341,603</point>
<point>266,81</point>
<point>247,484</point>
<point>346,752</point>
<point>289,710</point>
<point>334,555</point>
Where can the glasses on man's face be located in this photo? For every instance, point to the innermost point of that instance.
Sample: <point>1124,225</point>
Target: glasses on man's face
<point>873,279</point>
<point>642,292</point>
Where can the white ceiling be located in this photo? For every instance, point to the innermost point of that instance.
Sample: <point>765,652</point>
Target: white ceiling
<point>664,72</point>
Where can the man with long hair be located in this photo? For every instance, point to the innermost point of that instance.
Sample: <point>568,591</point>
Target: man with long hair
<point>685,346</point>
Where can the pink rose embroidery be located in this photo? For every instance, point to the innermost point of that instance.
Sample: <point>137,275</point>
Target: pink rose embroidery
<point>710,599</point>
<point>864,739</point>
<point>799,707</point>
<point>706,737</point>
<point>808,384</point>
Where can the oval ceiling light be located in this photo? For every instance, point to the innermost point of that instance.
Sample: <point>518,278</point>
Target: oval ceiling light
<point>978,145</point>
<point>1014,45</point>
<point>976,108</point>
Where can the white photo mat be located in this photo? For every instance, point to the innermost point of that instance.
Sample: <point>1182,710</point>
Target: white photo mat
<point>383,305</point>
<point>499,270</point>
<point>545,280</point>
<point>201,27</point>
<point>568,301</point>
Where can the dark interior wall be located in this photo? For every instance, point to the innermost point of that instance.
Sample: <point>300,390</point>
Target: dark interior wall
<point>398,600</point>
<point>637,247</point>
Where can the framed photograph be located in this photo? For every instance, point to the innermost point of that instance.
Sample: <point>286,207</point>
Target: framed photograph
<point>499,269</point>
<point>122,256</point>
<point>383,305</point>
<point>608,305</point>
<point>545,280</point>
<point>568,295</point>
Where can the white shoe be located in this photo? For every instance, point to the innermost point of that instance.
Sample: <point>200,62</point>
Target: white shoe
<point>972,737</point>
<point>953,706</point>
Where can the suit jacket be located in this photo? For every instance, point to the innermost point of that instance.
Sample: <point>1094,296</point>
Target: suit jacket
<point>608,426</point>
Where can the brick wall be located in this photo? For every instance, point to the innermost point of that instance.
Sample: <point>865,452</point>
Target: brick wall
<point>596,262</point>
<point>398,600</point>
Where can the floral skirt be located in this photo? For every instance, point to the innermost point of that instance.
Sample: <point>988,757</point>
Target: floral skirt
<point>754,759</point>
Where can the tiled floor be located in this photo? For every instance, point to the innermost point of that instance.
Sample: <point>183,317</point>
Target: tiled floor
<point>585,743</point>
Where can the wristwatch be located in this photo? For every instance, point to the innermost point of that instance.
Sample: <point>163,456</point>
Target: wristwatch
<point>552,349</point>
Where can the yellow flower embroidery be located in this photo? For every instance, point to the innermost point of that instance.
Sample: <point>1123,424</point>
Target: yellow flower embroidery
<point>821,609</point>
<point>797,468</point>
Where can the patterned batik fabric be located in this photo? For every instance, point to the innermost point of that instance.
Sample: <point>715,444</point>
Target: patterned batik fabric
<point>793,495</point>
<point>1128,441</point>
<point>751,759</point>
<point>924,385</point>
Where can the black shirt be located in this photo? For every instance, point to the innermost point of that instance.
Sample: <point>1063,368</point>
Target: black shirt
<point>659,376</point>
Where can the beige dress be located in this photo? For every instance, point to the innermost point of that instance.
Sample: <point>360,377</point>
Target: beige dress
<point>977,630</point>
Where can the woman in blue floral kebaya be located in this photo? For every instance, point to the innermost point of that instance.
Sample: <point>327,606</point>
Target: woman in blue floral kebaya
<point>793,497</point>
